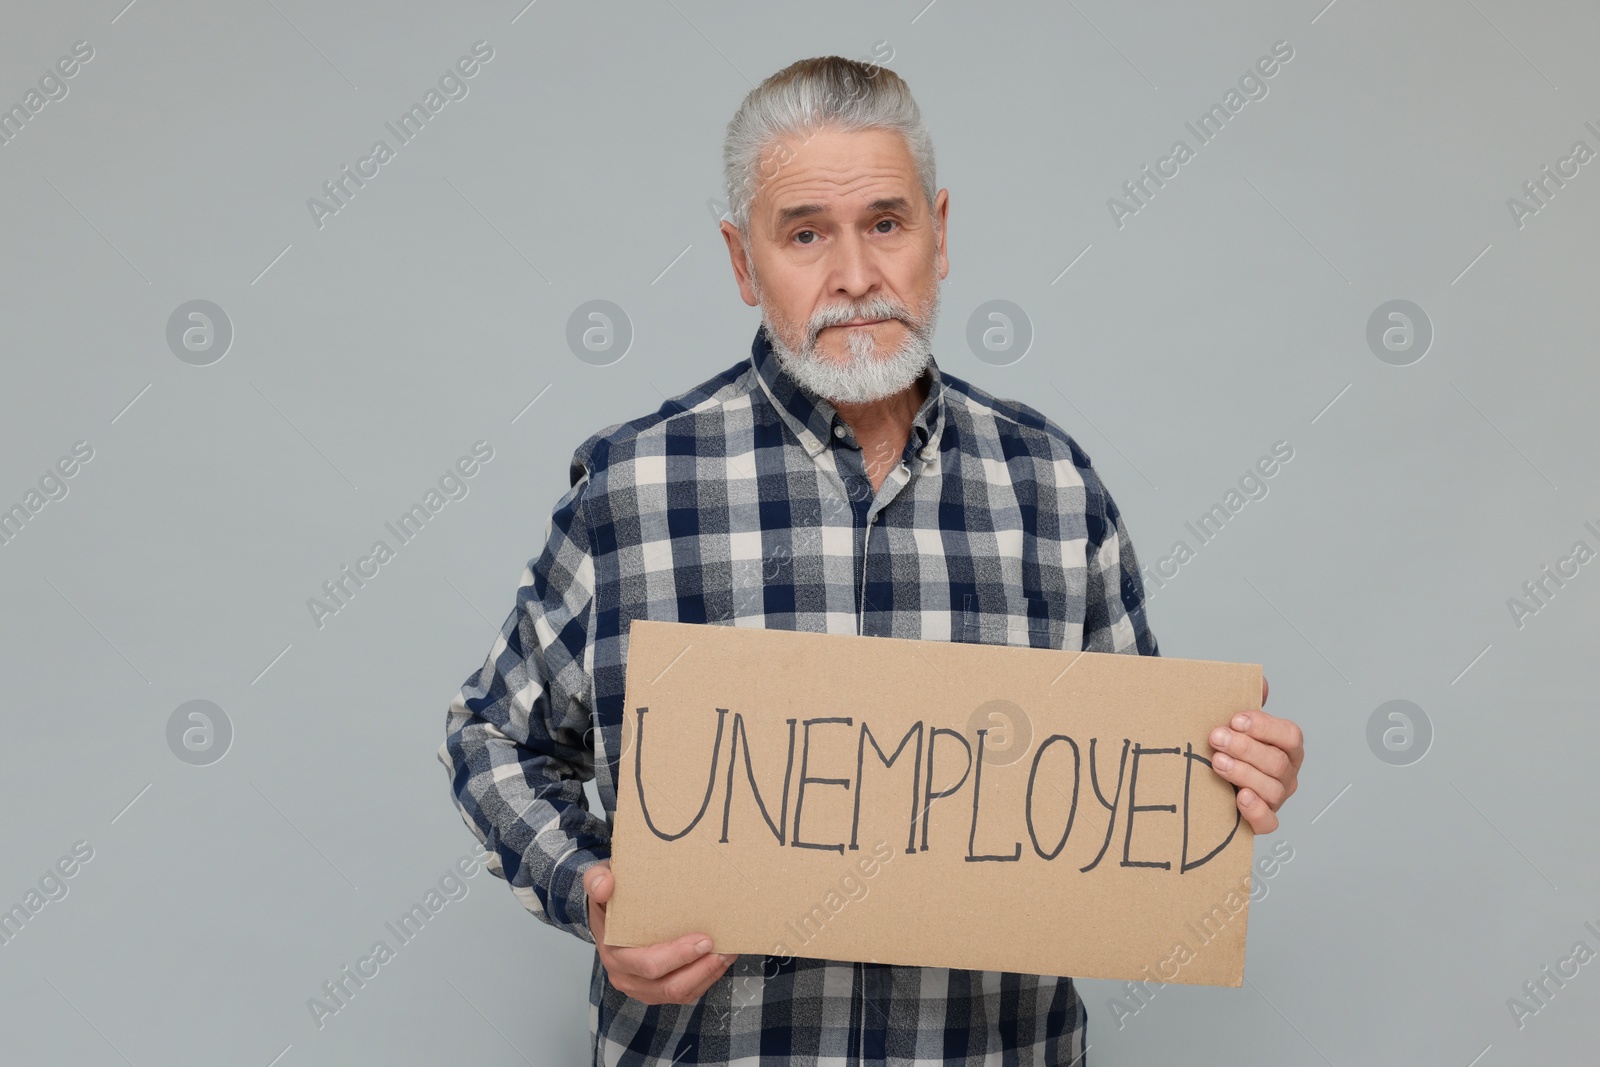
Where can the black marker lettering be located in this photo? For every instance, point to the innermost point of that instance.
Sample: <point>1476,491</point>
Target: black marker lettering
<point>638,776</point>
<point>916,774</point>
<point>1094,780</point>
<point>928,795</point>
<point>1072,812</point>
<point>739,731</point>
<point>1133,783</point>
<point>1184,866</point>
<point>977,779</point>
<point>800,793</point>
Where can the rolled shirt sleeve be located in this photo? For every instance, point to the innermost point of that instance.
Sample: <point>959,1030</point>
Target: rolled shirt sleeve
<point>518,744</point>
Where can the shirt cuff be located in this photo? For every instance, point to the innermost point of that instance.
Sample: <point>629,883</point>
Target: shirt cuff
<point>568,900</point>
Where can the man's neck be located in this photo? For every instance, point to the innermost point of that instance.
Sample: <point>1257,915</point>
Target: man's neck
<point>882,427</point>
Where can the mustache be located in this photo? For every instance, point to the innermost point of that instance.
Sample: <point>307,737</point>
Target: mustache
<point>839,314</point>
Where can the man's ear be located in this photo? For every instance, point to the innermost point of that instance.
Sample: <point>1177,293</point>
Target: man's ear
<point>736,256</point>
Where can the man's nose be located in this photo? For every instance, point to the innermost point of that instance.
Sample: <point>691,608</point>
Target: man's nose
<point>855,267</point>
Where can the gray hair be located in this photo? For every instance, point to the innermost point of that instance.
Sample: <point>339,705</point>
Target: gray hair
<point>812,94</point>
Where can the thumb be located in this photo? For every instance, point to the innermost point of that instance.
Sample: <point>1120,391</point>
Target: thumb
<point>598,882</point>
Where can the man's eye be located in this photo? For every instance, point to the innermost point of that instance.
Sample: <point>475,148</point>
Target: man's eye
<point>804,232</point>
<point>891,222</point>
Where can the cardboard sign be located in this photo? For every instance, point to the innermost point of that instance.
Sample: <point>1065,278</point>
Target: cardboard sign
<point>930,803</point>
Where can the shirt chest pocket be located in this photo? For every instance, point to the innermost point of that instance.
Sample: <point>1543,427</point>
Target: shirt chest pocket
<point>1012,619</point>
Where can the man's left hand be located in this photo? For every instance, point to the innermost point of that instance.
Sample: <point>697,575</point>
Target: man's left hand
<point>1261,754</point>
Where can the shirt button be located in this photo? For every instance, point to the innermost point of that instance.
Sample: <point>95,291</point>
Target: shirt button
<point>838,431</point>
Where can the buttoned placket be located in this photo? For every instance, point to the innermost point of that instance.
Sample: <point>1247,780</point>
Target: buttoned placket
<point>867,507</point>
<point>869,980</point>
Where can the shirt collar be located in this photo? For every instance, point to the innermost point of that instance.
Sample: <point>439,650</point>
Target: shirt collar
<point>813,419</point>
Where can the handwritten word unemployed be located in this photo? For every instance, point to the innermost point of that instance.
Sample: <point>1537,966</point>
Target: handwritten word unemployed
<point>921,797</point>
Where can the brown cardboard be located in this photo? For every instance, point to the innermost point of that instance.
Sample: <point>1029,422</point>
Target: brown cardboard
<point>849,884</point>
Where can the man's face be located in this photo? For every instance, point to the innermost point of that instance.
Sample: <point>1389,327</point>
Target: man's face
<point>844,259</point>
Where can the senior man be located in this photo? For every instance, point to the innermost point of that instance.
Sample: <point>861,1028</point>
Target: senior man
<point>837,480</point>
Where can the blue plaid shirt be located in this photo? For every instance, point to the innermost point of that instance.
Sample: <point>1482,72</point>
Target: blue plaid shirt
<point>745,501</point>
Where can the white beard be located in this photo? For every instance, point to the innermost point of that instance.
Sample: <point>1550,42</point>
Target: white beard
<point>869,374</point>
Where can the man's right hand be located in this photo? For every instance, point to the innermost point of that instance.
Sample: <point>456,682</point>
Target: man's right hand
<point>670,972</point>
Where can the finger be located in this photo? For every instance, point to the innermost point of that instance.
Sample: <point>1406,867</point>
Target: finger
<point>1241,774</point>
<point>659,960</point>
<point>1263,689</point>
<point>599,883</point>
<point>1262,819</point>
<point>1280,733</point>
<point>691,982</point>
<point>1266,758</point>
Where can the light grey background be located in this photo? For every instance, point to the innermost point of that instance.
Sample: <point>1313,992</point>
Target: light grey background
<point>370,353</point>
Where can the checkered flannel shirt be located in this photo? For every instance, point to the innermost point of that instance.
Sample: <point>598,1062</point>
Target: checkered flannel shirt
<point>745,501</point>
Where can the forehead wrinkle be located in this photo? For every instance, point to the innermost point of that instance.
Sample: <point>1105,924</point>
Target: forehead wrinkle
<point>830,191</point>
<point>831,164</point>
<point>846,179</point>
